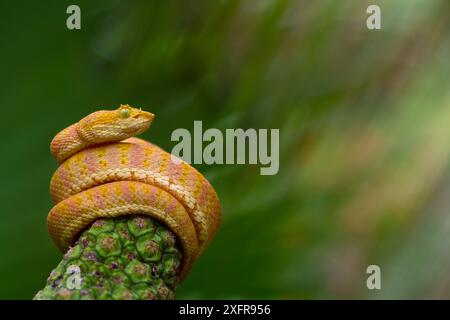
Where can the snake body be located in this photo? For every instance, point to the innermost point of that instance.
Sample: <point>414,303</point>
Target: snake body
<point>106,172</point>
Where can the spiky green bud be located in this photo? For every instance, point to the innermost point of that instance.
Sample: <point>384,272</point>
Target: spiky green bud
<point>130,257</point>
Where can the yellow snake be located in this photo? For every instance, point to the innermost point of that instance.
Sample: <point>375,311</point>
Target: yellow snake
<point>106,172</point>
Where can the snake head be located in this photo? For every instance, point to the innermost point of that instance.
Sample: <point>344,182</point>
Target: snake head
<point>114,125</point>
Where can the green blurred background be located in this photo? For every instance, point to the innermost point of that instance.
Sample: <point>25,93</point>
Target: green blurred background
<point>364,119</point>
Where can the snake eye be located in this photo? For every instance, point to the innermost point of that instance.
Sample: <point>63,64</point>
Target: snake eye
<point>124,113</point>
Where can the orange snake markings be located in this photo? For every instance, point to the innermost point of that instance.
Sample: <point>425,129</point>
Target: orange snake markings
<point>105,172</point>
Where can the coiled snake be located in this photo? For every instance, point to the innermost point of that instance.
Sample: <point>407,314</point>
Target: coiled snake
<point>106,172</point>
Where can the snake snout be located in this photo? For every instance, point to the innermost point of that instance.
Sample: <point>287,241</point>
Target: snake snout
<point>144,115</point>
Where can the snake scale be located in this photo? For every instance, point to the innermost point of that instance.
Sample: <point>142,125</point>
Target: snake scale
<point>107,172</point>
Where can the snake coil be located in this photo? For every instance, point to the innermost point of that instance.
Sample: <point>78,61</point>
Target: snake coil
<point>106,172</point>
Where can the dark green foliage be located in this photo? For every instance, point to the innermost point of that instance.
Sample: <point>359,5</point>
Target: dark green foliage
<point>364,119</point>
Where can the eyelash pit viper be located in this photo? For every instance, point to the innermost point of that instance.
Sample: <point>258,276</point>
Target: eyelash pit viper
<point>106,172</point>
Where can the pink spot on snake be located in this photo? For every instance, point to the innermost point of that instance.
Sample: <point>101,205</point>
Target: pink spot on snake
<point>172,206</point>
<point>152,196</point>
<point>127,193</point>
<point>136,157</point>
<point>99,199</point>
<point>111,156</point>
<point>71,205</point>
<point>91,161</point>
<point>175,169</point>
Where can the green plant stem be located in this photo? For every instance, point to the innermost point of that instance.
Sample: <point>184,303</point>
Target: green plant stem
<point>131,257</point>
